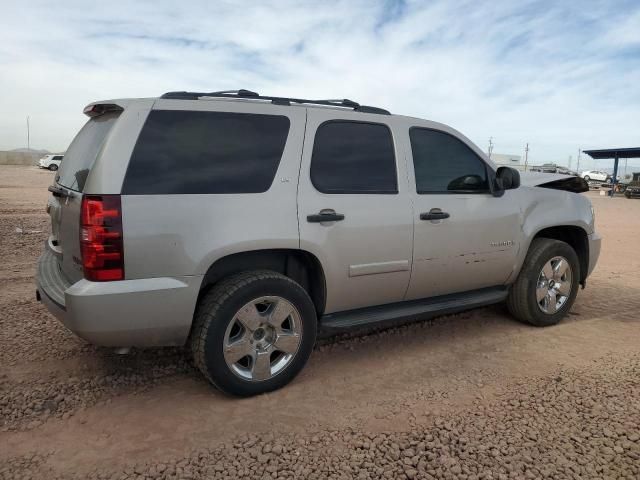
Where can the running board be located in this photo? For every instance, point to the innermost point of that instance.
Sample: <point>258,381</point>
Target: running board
<point>382,315</point>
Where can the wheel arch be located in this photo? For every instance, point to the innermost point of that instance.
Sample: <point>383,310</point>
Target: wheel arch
<point>301,266</point>
<point>576,237</point>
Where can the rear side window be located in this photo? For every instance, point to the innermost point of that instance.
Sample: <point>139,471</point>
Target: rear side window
<point>57,157</point>
<point>83,151</point>
<point>187,152</point>
<point>353,157</point>
<point>444,164</point>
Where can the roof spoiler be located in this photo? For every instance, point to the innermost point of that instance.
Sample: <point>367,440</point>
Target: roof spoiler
<point>97,109</point>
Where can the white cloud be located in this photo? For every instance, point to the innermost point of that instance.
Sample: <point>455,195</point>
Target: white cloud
<point>538,72</point>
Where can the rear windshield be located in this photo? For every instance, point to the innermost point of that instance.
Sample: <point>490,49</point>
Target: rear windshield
<point>187,152</point>
<point>83,151</point>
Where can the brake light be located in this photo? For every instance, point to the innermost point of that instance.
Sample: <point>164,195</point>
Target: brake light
<point>98,109</point>
<point>101,242</point>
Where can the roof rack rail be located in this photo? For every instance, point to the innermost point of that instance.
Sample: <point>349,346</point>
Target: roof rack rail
<point>248,94</point>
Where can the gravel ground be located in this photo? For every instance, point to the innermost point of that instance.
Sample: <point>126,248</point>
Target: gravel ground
<point>473,395</point>
<point>574,424</point>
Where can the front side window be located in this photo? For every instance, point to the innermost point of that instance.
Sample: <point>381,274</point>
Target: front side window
<point>193,152</point>
<point>444,164</point>
<point>353,157</point>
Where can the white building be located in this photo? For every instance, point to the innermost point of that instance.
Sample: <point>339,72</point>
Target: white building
<point>508,160</point>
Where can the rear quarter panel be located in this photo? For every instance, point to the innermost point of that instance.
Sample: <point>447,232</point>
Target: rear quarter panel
<point>176,235</point>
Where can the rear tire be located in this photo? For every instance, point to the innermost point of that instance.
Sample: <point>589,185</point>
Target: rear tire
<point>53,167</point>
<point>253,332</point>
<point>587,178</point>
<point>547,285</point>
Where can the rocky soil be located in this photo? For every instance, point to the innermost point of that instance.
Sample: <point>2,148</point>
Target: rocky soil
<point>470,396</point>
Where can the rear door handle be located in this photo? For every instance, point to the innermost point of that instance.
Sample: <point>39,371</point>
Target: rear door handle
<point>325,216</point>
<point>434,214</point>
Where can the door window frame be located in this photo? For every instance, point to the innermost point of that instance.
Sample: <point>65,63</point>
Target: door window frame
<point>348,192</point>
<point>490,173</point>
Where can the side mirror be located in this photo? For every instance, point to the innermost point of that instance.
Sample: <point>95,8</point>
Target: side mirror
<point>507,178</point>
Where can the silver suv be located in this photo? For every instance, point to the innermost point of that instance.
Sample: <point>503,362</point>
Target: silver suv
<point>242,226</point>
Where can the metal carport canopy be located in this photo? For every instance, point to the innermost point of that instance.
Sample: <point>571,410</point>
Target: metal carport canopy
<point>616,154</point>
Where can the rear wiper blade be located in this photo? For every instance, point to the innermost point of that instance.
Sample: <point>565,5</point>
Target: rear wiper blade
<point>60,192</point>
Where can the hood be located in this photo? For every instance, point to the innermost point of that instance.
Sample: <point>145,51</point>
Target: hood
<point>556,181</point>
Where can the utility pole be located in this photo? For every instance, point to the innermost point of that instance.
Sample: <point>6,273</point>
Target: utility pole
<point>578,165</point>
<point>526,156</point>
<point>28,135</point>
<point>490,151</point>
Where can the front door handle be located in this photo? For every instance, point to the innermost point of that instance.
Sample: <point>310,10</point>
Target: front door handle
<point>325,216</point>
<point>434,214</point>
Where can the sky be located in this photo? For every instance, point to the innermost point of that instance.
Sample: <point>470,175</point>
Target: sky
<point>559,75</point>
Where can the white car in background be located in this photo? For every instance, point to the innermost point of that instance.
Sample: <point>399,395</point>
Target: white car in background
<point>596,175</point>
<point>51,162</point>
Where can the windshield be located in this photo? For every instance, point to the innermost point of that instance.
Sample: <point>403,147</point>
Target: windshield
<point>83,151</point>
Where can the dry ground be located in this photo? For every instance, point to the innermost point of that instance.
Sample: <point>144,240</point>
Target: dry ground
<point>469,396</point>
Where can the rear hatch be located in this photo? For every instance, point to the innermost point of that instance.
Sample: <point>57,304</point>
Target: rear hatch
<point>66,200</point>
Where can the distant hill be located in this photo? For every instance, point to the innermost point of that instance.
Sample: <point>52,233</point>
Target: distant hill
<point>30,150</point>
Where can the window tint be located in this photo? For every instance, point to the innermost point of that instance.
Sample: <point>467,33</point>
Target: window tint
<point>182,152</point>
<point>353,157</point>
<point>57,157</point>
<point>442,163</point>
<point>83,151</point>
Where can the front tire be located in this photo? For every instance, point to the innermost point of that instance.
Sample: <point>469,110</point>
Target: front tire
<point>53,167</point>
<point>253,332</point>
<point>547,285</point>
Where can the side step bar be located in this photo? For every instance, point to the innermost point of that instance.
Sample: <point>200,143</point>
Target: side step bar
<point>383,315</point>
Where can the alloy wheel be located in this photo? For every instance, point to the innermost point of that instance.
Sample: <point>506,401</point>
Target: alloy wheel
<point>554,285</point>
<point>262,338</point>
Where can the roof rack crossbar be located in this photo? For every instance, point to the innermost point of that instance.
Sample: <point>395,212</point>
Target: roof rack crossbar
<point>344,102</point>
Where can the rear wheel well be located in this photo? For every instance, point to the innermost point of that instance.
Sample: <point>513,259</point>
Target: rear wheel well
<point>577,238</point>
<point>299,265</point>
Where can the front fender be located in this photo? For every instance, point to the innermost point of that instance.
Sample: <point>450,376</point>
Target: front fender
<point>545,208</point>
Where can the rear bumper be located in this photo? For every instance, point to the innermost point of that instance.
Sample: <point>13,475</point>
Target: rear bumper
<point>128,313</point>
<point>595,242</point>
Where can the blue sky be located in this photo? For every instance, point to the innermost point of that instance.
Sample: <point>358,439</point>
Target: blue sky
<point>559,75</point>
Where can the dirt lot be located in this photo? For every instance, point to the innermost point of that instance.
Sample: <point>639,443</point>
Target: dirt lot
<point>468,396</point>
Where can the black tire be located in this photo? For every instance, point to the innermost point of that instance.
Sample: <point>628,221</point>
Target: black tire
<point>218,308</point>
<point>587,178</point>
<point>522,301</point>
<point>53,167</point>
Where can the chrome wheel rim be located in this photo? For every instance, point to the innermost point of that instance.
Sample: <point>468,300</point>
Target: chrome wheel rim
<point>262,338</point>
<point>554,285</point>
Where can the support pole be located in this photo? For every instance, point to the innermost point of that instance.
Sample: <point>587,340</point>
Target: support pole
<point>615,175</point>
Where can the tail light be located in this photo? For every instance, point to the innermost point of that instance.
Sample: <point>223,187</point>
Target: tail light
<point>101,242</point>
